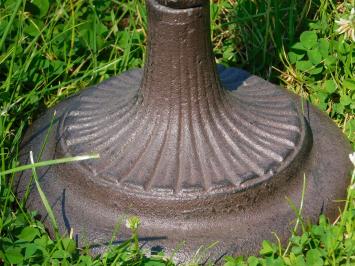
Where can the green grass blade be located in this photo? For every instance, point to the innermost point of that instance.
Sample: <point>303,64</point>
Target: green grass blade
<point>50,163</point>
<point>43,197</point>
<point>8,26</point>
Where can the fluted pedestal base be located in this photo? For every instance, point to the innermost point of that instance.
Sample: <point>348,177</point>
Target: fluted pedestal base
<point>218,171</point>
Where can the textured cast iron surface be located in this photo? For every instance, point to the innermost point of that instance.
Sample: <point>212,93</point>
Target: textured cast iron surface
<point>201,153</point>
<point>160,141</point>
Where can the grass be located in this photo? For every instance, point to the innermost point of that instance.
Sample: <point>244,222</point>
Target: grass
<point>50,50</point>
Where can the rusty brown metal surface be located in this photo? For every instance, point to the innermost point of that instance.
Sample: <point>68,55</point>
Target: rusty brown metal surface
<point>183,4</point>
<point>200,152</point>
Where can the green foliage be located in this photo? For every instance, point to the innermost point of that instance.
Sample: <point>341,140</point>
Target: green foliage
<point>27,243</point>
<point>322,67</point>
<point>326,65</point>
<point>262,28</point>
<point>50,49</point>
<point>67,45</point>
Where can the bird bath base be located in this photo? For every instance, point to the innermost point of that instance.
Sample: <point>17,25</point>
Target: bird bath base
<point>201,153</point>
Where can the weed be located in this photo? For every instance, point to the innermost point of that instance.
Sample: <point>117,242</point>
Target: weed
<point>321,67</point>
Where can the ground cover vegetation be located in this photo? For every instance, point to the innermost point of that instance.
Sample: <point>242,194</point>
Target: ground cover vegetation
<point>51,49</point>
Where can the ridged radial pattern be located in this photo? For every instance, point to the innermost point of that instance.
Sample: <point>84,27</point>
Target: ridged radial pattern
<point>201,153</point>
<point>192,148</point>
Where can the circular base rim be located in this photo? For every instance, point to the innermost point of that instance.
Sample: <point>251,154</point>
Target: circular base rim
<point>326,171</point>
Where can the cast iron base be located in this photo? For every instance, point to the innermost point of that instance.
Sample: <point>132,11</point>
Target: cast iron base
<point>84,196</point>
